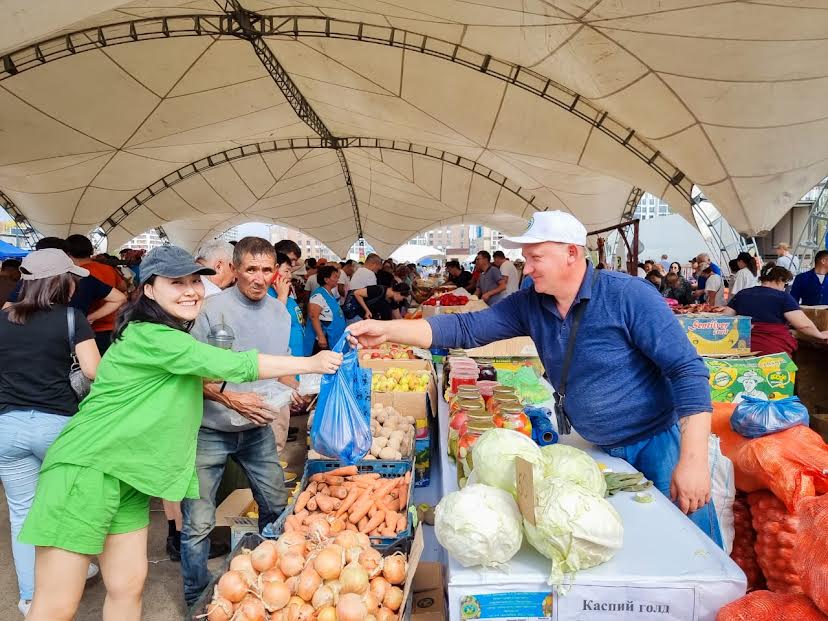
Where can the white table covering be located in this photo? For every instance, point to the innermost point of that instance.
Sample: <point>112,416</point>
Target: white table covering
<point>668,570</point>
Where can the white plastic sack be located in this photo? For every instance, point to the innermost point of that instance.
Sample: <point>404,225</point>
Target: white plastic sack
<point>722,491</point>
<point>309,384</point>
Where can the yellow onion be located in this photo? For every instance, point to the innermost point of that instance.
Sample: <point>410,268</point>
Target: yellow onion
<point>291,564</point>
<point>354,579</point>
<point>275,595</point>
<point>328,613</point>
<point>394,568</point>
<point>350,607</point>
<point>232,586</point>
<point>393,598</point>
<point>219,609</point>
<point>309,581</point>
<point>264,557</point>
<point>328,563</point>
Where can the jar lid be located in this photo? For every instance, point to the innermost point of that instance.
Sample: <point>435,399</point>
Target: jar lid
<point>504,389</point>
<point>511,408</point>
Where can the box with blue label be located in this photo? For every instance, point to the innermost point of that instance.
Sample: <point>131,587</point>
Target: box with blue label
<point>717,335</point>
<point>422,462</point>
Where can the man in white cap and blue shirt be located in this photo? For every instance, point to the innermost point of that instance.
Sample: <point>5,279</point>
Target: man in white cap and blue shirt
<point>625,374</point>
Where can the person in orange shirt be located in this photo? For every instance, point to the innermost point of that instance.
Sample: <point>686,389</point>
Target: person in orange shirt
<point>80,250</point>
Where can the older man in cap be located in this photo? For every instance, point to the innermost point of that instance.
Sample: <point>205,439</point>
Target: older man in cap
<point>625,374</point>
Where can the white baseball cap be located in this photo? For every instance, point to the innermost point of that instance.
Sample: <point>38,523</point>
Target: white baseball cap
<point>549,226</point>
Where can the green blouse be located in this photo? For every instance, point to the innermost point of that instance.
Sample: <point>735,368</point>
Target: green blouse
<point>140,422</point>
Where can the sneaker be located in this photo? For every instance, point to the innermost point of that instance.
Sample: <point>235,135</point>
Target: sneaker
<point>92,571</point>
<point>24,605</point>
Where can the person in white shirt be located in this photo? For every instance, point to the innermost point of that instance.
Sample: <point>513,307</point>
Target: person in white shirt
<point>344,284</point>
<point>507,269</point>
<point>366,275</point>
<point>746,276</point>
<point>713,287</point>
<point>216,254</point>
<point>786,259</point>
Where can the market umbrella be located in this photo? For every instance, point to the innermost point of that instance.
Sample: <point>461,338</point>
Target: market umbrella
<point>7,251</point>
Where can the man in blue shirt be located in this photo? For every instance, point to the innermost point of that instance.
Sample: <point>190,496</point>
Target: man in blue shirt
<point>810,288</point>
<point>636,386</point>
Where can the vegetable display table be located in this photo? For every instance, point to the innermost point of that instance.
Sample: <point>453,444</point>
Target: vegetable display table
<point>668,570</point>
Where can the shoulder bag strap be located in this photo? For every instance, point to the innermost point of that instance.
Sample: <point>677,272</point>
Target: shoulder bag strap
<point>564,424</point>
<point>70,320</point>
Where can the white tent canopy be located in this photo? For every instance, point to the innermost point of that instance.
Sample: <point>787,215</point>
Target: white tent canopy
<point>411,253</point>
<point>386,119</point>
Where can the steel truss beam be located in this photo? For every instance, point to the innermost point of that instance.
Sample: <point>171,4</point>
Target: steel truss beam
<point>298,26</point>
<point>298,144</point>
<point>29,233</point>
<point>724,241</point>
<point>814,235</point>
<point>248,21</point>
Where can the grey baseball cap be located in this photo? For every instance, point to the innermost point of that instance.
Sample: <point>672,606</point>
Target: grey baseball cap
<point>48,263</point>
<point>171,262</point>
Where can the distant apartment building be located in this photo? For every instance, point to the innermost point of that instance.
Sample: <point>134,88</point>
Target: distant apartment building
<point>146,241</point>
<point>650,207</point>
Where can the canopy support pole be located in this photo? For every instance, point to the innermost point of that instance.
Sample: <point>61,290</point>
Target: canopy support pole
<point>28,232</point>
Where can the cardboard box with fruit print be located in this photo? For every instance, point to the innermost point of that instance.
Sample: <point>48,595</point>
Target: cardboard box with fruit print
<point>717,335</point>
<point>765,377</point>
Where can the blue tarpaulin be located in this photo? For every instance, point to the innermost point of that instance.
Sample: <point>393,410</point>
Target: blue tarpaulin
<point>7,251</point>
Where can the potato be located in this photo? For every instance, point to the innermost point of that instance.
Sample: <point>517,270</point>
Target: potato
<point>389,453</point>
<point>386,432</point>
<point>380,441</point>
<point>398,434</point>
<point>410,420</point>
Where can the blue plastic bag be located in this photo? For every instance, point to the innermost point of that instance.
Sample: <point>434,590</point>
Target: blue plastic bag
<point>754,418</point>
<point>341,427</point>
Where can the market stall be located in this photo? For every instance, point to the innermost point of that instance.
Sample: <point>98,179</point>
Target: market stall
<point>666,569</point>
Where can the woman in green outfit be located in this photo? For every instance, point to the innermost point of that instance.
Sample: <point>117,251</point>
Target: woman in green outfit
<point>134,437</point>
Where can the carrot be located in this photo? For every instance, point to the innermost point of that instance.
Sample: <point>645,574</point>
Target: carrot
<point>368,476</point>
<point>407,478</point>
<point>344,471</point>
<point>325,503</point>
<point>301,514</point>
<point>402,523</point>
<point>388,532</point>
<point>386,486</point>
<point>312,504</point>
<point>390,500</point>
<point>360,510</point>
<point>312,488</point>
<point>374,522</point>
<point>373,510</point>
<point>349,500</point>
<point>338,492</point>
<point>391,519</point>
<point>361,524</point>
<point>404,496</point>
<point>302,500</point>
<point>351,527</point>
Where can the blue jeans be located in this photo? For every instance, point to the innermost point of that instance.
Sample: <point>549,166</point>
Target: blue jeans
<point>25,436</point>
<point>656,458</point>
<point>255,452</point>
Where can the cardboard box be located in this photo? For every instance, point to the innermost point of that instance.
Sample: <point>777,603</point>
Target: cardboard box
<point>429,603</point>
<point>518,347</point>
<point>416,404</point>
<point>770,377</point>
<point>717,335</point>
<point>817,314</point>
<point>422,462</point>
<point>233,513</point>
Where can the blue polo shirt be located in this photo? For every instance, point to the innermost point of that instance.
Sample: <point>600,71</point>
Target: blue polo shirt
<point>807,289</point>
<point>633,372</point>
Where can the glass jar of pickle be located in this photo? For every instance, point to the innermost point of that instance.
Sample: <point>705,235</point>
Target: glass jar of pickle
<point>511,416</point>
<point>486,370</point>
<point>477,426</point>
<point>503,391</point>
<point>496,402</point>
<point>459,421</point>
<point>464,392</point>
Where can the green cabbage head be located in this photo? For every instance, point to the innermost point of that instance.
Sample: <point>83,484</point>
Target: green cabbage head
<point>479,525</point>
<point>574,528</point>
<point>574,465</point>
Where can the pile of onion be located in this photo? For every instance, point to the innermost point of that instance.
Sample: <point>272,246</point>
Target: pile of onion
<point>336,577</point>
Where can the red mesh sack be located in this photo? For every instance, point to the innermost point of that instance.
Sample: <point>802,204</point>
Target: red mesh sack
<point>767,606</point>
<point>790,463</point>
<point>776,537</point>
<point>811,551</point>
<point>744,540</point>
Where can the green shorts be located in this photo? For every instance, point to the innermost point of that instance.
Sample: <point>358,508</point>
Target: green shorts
<point>76,507</point>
